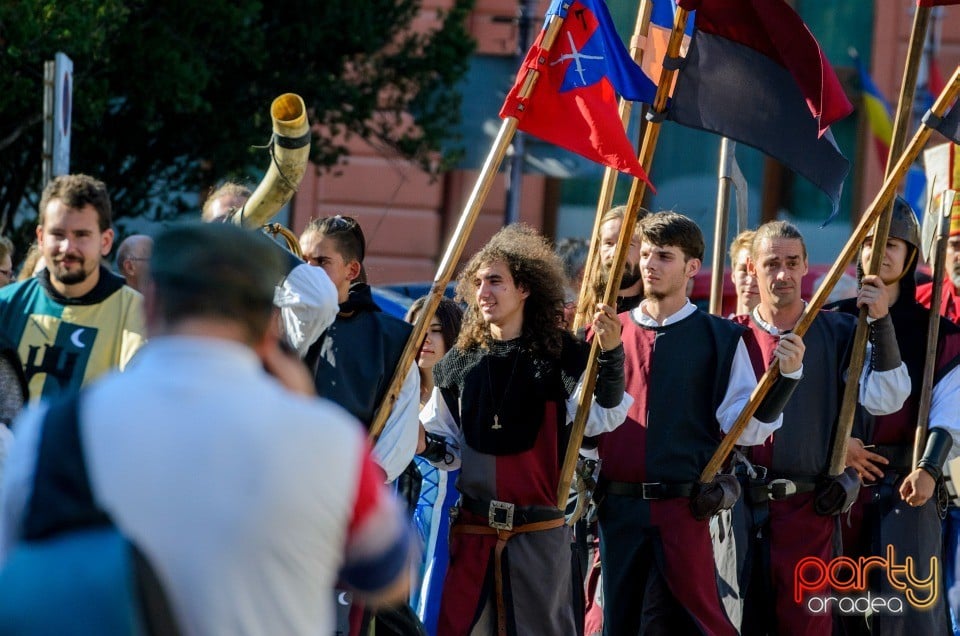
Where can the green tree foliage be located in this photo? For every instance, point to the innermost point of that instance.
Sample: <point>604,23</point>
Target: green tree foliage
<point>170,97</point>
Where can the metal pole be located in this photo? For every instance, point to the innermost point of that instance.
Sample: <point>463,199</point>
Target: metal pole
<point>727,149</point>
<point>515,174</point>
<point>49,77</point>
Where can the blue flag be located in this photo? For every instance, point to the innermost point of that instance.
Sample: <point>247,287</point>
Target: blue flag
<point>574,103</point>
<point>624,74</point>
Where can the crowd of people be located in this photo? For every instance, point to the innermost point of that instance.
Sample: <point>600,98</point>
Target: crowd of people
<point>211,404</point>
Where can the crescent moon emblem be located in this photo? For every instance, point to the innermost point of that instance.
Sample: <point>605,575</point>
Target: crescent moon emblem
<point>75,339</point>
<point>342,598</point>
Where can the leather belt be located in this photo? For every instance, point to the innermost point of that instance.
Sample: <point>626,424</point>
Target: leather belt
<point>501,545</point>
<point>502,515</point>
<point>780,489</point>
<point>648,490</point>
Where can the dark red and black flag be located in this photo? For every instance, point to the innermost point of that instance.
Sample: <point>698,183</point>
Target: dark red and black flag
<point>756,74</point>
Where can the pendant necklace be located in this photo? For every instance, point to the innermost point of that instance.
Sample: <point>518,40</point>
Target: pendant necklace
<point>506,388</point>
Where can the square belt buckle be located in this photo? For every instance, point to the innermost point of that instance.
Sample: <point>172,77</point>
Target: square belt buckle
<point>652,490</point>
<point>780,489</point>
<point>500,515</point>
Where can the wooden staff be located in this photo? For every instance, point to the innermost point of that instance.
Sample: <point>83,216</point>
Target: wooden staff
<point>851,393</point>
<point>458,241</point>
<point>609,183</point>
<point>883,199</point>
<point>727,158</point>
<point>933,327</point>
<point>650,135</point>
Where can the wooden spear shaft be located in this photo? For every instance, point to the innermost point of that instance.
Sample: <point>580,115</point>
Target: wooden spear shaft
<point>901,123</point>
<point>650,135</point>
<point>458,242</point>
<point>609,183</point>
<point>883,199</point>
<point>933,327</point>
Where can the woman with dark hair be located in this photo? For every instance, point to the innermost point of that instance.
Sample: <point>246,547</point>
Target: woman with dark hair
<point>441,336</point>
<point>437,495</point>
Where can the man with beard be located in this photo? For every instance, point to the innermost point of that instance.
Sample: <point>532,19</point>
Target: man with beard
<point>631,287</point>
<point>75,319</point>
<point>950,296</point>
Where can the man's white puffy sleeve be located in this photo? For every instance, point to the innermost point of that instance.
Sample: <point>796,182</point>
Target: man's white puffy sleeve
<point>307,300</point>
<point>397,443</point>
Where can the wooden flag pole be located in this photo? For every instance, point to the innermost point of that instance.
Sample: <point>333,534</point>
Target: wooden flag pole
<point>609,183</point>
<point>651,133</point>
<point>727,158</point>
<point>458,242</point>
<point>883,199</point>
<point>901,124</point>
<point>933,326</point>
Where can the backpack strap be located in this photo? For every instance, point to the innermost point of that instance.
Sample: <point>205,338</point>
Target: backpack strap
<point>62,498</point>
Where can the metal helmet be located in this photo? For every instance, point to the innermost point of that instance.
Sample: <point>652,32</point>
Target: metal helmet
<point>903,223</point>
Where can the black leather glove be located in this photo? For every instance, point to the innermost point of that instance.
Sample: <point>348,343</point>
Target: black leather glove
<point>719,494</point>
<point>837,494</point>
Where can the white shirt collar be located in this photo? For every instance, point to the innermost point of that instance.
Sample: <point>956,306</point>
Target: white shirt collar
<point>766,326</point>
<point>645,320</point>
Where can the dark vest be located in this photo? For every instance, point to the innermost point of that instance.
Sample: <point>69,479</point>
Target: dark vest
<point>677,376</point>
<point>801,447</point>
<point>354,360</point>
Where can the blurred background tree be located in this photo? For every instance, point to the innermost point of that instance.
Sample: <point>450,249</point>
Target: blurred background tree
<point>170,97</point>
